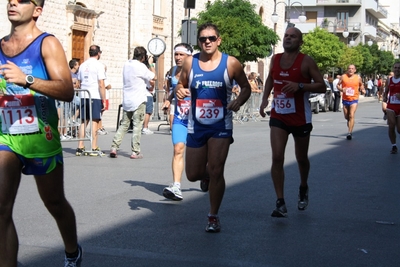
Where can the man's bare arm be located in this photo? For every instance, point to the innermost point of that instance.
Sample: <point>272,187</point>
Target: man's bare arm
<point>181,89</point>
<point>235,70</point>
<point>59,86</point>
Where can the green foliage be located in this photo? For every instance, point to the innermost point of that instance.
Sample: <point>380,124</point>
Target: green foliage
<point>350,57</point>
<point>324,47</point>
<point>367,64</point>
<point>243,34</point>
<point>382,61</point>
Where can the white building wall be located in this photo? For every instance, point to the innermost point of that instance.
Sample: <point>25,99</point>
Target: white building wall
<point>111,28</point>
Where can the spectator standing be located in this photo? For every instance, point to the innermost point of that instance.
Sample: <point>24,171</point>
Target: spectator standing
<point>350,84</point>
<point>380,88</point>
<point>253,83</point>
<point>384,104</point>
<point>370,85</point>
<point>91,76</point>
<point>74,66</point>
<point>149,103</point>
<point>210,122</point>
<point>291,75</point>
<point>35,69</point>
<point>179,124</point>
<point>392,98</point>
<point>107,85</point>
<point>337,94</point>
<point>135,76</point>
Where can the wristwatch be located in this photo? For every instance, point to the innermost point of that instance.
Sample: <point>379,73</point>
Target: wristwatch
<point>301,86</point>
<point>29,80</point>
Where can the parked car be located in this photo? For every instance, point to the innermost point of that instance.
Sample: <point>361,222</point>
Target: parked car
<point>322,101</point>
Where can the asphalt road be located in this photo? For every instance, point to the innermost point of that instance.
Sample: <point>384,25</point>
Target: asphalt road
<point>123,220</point>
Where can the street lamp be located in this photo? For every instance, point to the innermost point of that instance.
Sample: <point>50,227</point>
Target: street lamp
<point>275,17</point>
<point>345,33</point>
<point>352,42</point>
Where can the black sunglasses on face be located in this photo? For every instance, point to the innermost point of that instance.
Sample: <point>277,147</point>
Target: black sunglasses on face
<point>203,39</point>
<point>26,2</point>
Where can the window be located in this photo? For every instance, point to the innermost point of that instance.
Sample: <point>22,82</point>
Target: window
<point>342,19</point>
<point>157,7</point>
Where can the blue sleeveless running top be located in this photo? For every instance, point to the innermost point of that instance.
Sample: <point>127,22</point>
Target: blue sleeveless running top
<point>29,120</point>
<point>181,111</point>
<point>211,92</point>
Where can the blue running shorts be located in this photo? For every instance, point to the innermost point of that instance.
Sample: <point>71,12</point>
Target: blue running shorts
<point>36,166</point>
<point>179,133</point>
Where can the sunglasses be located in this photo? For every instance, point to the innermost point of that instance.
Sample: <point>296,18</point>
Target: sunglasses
<point>26,2</point>
<point>203,39</point>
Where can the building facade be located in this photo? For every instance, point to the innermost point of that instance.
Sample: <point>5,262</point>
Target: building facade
<point>118,26</point>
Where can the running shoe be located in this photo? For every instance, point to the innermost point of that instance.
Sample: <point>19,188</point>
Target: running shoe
<point>79,151</point>
<point>102,131</point>
<point>349,136</point>
<point>394,150</point>
<point>96,152</point>
<point>135,155</point>
<point>172,192</point>
<point>204,184</point>
<point>213,225</point>
<point>74,262</point>
<point>146,131</point>
<point>65,137</point>
<point>113,152</point>
<point>303,198</point>
<point>280,211</point>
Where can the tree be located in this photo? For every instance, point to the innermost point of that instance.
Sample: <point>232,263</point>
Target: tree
<point>324,47</point>
<point>367,59</point>
<point>243,34</point>
<point>382,60</point>
<point>350,57</point>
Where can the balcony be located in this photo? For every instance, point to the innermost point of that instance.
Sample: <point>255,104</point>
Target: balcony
<point>339,3</point>
<point>375,9</point>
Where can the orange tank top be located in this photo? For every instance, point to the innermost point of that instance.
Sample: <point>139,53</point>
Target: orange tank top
<point>350,87</point>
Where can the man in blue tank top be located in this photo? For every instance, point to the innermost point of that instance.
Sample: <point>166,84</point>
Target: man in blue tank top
<point>35,68</point>
<point>207,78</point>
<point>179,122</point>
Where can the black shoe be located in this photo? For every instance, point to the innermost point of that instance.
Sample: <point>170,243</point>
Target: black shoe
<point>303,198</point>
<point>204,184</point>
<point>79,151</point>
<point>349,136</point>
<point>394,150</point>
<point>280,211</point>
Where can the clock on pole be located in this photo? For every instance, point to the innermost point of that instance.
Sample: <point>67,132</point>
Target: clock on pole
<point>156,46</point>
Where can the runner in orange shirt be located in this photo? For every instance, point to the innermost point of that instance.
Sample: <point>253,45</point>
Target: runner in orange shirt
<point>350,85</point>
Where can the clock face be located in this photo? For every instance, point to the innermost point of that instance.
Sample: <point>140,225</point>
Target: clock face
<point>156,46</point>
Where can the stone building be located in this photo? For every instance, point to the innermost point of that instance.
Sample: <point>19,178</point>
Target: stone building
<point>118,26</point>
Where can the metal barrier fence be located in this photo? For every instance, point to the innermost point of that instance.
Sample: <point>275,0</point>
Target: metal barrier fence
<point>250,110</point>
<point>70,120</point>
<point>158,113</point>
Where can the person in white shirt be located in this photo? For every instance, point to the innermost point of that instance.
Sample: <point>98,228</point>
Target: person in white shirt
<point>91,76</point>
<point>336,103</point>
<point>370,85</point>
<point>135,77</point>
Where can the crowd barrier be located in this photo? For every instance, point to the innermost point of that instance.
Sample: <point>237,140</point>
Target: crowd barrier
<point>69,119</point>
<point>250,110</point>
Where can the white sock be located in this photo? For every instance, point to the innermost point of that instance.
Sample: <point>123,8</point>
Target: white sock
<point>177,184</point>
